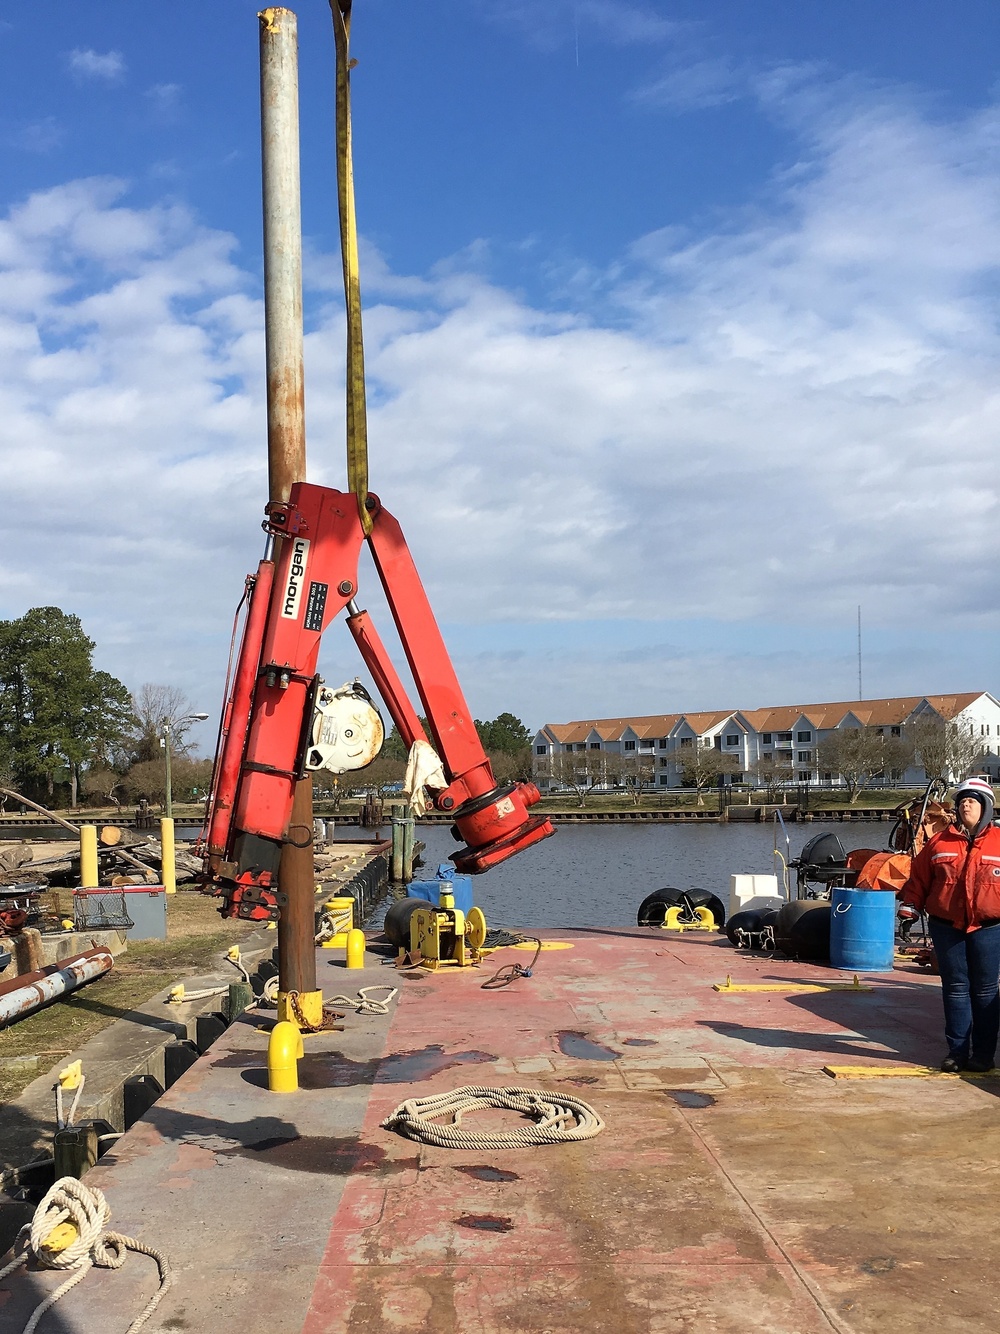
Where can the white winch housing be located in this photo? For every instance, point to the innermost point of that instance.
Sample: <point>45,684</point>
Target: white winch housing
<point>347,730</point>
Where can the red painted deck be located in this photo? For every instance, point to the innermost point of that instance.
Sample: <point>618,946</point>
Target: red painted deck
<point>736,1187</point>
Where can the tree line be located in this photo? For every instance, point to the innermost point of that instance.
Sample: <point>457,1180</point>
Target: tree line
<point>69,731</point>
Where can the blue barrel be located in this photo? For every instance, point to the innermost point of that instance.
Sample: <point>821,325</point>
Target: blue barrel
<point>459,885</point>
<point>862,930</point>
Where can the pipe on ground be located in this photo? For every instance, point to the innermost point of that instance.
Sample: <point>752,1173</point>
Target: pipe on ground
<point>23,995</point>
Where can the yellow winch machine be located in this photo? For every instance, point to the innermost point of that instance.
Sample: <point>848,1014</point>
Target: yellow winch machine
<point>437,925</point>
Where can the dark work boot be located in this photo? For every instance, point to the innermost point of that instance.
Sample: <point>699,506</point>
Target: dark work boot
<point>979,1065</point>
<point>951,1065</point>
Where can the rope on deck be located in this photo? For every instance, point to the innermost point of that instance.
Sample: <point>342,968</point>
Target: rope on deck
<point>71,1207</point>
<point>558,1119</point>
<point>363,1000</point>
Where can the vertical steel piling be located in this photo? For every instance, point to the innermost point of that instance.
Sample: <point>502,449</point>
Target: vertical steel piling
<point>286,445</point>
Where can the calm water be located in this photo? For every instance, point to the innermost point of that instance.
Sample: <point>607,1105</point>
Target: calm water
<point>597,875</point>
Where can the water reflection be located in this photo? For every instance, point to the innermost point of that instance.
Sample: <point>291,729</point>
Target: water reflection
<point>597,875</point>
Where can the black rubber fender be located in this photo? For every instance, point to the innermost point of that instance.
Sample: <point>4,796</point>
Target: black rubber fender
<point>653,908</point>
<point>397,921</point>
<point>703,898</point>
<point>747,920</point>
<point>802,930</point>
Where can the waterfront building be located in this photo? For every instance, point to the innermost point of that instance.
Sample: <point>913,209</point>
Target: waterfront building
<point>612,752</point>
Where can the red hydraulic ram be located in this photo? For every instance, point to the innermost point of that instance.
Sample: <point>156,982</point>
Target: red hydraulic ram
<point>270,711</point>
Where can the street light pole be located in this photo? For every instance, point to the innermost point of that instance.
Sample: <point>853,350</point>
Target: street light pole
<point>168,867</point>
<point>169,808</point>
<point>166,724</point>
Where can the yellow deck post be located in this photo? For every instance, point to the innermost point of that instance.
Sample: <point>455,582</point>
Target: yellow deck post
<point>88,856</point>
<point>167,859</point>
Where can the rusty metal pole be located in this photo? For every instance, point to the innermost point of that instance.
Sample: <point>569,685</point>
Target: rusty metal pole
<point>286,454</point>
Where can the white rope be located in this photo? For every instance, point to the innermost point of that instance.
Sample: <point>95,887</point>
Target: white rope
<point>67,1123</point>
<point>70,1201</point>
<point>557,1118</point>
<point>363,1001</point>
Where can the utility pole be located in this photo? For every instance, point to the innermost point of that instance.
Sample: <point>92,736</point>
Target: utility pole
<point>286,454</point>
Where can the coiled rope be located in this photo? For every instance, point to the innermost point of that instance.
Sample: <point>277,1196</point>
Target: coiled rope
<point>363,1002</point>
<point>84,1207</point>
<point>558,1118</point>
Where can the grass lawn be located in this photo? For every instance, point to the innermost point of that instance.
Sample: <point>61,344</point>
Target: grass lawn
<point>196,933</point>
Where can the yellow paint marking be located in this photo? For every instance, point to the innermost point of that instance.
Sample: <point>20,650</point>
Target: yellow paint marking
<point>546,945</point>
<point>902,1072</point>
<point>797,987</point>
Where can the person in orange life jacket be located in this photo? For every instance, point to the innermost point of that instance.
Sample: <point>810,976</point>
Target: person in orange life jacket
<point>955,879</point>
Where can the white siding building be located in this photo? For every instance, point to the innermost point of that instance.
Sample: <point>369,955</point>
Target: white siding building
<point>792,733</point>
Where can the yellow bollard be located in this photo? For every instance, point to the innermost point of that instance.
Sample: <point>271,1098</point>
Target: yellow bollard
<point>284,1048</point>
<point>88,856</point>
<point>355,948</point>
<point>168,873</point>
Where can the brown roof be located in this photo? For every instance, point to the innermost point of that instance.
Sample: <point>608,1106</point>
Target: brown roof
<point>702,722</point>
<point>611,729</point>
<point>869,712</point>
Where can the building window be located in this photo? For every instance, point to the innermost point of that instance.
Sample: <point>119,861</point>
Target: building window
<point>541,750</point>
<point>630,745</point>
<point>804,777</point>
<point>733,740</point>
<point>784,736</point>
<point>662,743</point>
<point>595,745</point>
<point>685,741</point>
<point>804,757</point>
<point>766,738</point>
<point>897,731</point>
<point>664,780</point>
<point>663,761</point>
<point>828,778</point>
<point>803,736</point>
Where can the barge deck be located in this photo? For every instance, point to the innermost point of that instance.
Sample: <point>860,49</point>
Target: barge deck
<point>736,1187</point>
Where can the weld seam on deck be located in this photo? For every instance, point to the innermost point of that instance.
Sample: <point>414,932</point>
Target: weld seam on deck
<point>806,1283</point>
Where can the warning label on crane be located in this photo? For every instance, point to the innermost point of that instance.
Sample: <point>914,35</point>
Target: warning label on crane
<point>316,606</point>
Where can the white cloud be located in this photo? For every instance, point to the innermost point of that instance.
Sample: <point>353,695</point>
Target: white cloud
<point>39,136</point>
<point>772,422</point>
<point>164,98</point>
<point>553,23</point>
<point>106,67</point>
<point>693,86</point>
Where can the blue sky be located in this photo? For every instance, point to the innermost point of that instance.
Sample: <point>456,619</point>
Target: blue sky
<point>682,336</point>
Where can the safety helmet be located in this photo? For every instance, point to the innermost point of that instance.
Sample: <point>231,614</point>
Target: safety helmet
<point>983,793</point>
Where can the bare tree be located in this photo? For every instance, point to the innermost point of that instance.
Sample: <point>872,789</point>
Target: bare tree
<point>189,780</point>
<point>861,754</point>
<point>378,777</point>
<point>701,766</point>
<point>772,772</point>
<point>581,771</point>
<point>631,770</point>
<point>101,784</point>
<point>153,705</point>
<point>944,750</point>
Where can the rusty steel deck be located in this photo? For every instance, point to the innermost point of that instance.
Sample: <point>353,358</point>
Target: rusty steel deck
<point>736,1188</point>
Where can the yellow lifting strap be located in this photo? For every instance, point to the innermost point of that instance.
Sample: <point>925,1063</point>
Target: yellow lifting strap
<point>357,414</point>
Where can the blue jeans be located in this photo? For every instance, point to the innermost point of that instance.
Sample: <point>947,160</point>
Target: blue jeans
<point>970,987</point>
